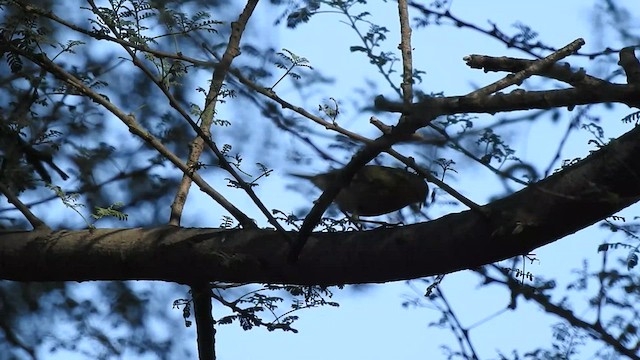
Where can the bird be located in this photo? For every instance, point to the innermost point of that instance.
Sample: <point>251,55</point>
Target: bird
<point>374,190</point>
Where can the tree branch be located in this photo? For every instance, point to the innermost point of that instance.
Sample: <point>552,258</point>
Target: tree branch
<point>604,183</point>
<point>533,294</point>
<point>24,209</point>
<point>206,331</point>
<point>520,100</point>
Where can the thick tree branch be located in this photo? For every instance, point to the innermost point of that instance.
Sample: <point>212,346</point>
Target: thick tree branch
<point>521,100</point>
<point>559,71</point>
<point>535,67</point>
<point>572,199</point>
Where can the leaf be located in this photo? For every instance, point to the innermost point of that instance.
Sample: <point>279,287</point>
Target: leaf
<point>632,260</point>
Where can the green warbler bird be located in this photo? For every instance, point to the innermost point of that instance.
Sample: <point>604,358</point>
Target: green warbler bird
<point>374,190</point>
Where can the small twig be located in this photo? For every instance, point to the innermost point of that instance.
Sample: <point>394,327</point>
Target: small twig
<point>441,184</point>
<point>86,188</point>
<point>532,294</point>
<point>463,336</point>
<point>473,157</point>
<point>13,199</point>
<point>436,282</point>
<point>369,49</point>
